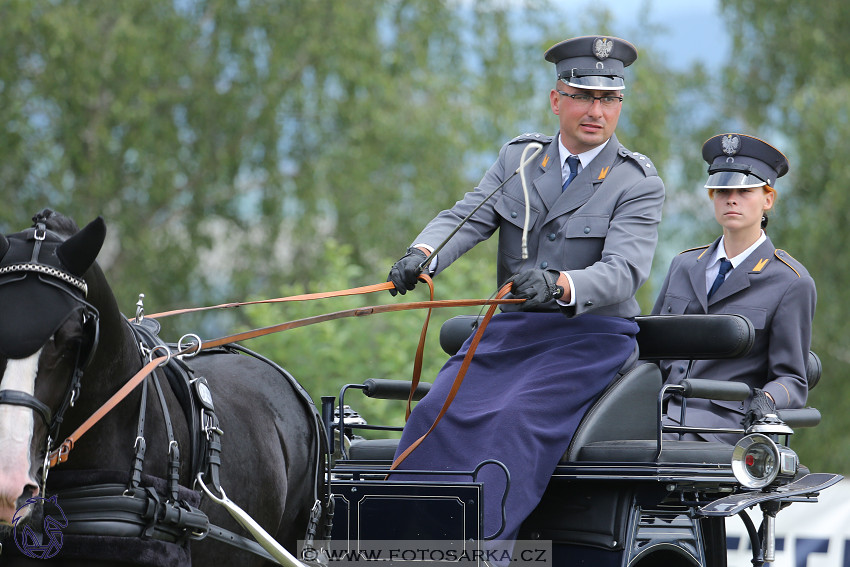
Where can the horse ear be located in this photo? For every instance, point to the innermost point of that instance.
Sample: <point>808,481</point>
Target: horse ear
<point>4,246</point>
<point>79,252</point>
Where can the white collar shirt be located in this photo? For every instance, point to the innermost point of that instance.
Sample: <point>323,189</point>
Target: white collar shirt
<point>713,267</point>
<point>583,158</point>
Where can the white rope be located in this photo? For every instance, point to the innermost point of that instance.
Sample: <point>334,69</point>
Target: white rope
<point>262,537</point>
<point>522,163</point>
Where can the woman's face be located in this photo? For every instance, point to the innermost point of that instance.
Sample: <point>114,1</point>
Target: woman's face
<point>738,210</point>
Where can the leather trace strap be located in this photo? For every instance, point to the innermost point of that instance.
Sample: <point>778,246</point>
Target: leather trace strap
<point>467,360</point>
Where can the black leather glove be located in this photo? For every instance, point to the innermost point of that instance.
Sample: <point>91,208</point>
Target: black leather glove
<point>405,273</point>
<point>536,287</point>
<point>761,406</point>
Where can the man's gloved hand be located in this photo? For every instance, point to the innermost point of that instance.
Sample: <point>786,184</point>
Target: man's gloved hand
<point>761,406</point>
<point>405,273</point>
<point>536,287</point>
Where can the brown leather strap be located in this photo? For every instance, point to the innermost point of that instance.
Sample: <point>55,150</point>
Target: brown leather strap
<point>467,360</point>
<point>60,455</point>
<point>358,312</point>
<point>420,349</point>
<point>302,297</point>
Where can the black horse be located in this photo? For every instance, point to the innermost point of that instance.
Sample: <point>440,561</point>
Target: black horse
<point>65,348</point>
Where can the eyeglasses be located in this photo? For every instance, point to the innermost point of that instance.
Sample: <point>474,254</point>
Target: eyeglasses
<point>608,101</point>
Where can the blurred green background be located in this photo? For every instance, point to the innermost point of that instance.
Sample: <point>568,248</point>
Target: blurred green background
<point>245,149</point>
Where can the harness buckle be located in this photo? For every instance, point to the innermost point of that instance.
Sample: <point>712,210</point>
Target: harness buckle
<point>210,425</point>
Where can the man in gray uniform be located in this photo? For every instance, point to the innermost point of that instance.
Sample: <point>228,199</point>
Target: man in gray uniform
<point>742,272</point>
<point>593,211</point>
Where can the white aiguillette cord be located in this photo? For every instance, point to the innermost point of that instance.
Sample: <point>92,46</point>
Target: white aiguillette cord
<point>521,170</point>
<point>523,162</point>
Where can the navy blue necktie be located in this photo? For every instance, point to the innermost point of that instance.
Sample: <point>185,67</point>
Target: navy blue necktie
<point>725,266</point>
<point>572,162</point>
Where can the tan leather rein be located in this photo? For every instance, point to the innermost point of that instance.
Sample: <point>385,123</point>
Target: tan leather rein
<point>461,373</point>
<point>60,454</point>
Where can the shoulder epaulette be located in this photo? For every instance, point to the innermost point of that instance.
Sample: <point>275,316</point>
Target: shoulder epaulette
<point>532,137</point>
<point>641,160</point>
<point>789,261</point>
<point>705,247</point>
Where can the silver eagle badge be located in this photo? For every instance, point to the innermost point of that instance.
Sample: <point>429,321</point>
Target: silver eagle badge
<point>602,47</point>
<point>730,144</point>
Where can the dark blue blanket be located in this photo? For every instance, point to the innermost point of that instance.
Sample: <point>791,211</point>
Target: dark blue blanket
<point>533,377</point>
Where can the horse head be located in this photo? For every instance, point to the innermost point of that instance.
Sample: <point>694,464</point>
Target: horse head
<point>48,330</point>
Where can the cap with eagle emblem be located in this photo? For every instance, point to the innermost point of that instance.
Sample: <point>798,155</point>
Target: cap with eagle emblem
<point>741,161</point>
<point>592,61</point>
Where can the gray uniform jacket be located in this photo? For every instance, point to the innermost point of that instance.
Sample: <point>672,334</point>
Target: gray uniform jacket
<point>602,229</point>
<point>776,293</point>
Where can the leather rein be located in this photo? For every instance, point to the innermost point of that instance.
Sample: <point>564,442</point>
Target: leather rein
<point>61,454</point>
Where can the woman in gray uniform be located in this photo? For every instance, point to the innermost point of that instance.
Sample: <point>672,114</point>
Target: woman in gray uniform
<point>743,272</point>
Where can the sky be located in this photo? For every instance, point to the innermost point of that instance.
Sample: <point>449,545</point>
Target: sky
<point>694,29</point>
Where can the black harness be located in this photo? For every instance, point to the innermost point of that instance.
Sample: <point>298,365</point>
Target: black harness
<point>144,506</point>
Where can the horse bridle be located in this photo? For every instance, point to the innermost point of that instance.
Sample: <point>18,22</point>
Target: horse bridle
<point>67,283</point>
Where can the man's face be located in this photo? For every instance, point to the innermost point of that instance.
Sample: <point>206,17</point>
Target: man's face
<point>584,125</point>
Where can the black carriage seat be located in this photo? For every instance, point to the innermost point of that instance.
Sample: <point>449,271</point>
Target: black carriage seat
<point>621,426</point>
<point>622,423</point>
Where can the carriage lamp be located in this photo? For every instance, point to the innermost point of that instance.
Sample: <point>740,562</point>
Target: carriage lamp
<point>757,461</point>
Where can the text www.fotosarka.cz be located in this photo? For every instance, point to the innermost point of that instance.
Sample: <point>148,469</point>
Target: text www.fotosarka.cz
<point>421,553</point>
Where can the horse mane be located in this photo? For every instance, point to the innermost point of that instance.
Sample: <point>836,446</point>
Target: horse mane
<point>56,222</point>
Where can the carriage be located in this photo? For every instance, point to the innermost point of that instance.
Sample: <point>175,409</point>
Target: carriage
<point>157,483</point>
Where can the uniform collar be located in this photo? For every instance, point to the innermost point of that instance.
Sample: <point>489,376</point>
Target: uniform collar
<point>584,158</point>
<point>720,251</point>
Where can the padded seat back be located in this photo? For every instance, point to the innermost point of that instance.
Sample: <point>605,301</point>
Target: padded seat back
<point>626,410</point>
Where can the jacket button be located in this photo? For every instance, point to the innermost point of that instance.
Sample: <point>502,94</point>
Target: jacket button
<point>669,309</point>
<point>551,236</point>
<point>681,369</point>
<point>588,304</point>
<point>544,265</point>
<point>513,215</point>
<point>587,230</point>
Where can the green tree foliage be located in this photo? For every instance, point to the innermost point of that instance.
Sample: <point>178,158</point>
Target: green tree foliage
<point>789,81</point>
<point>224,141</point>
